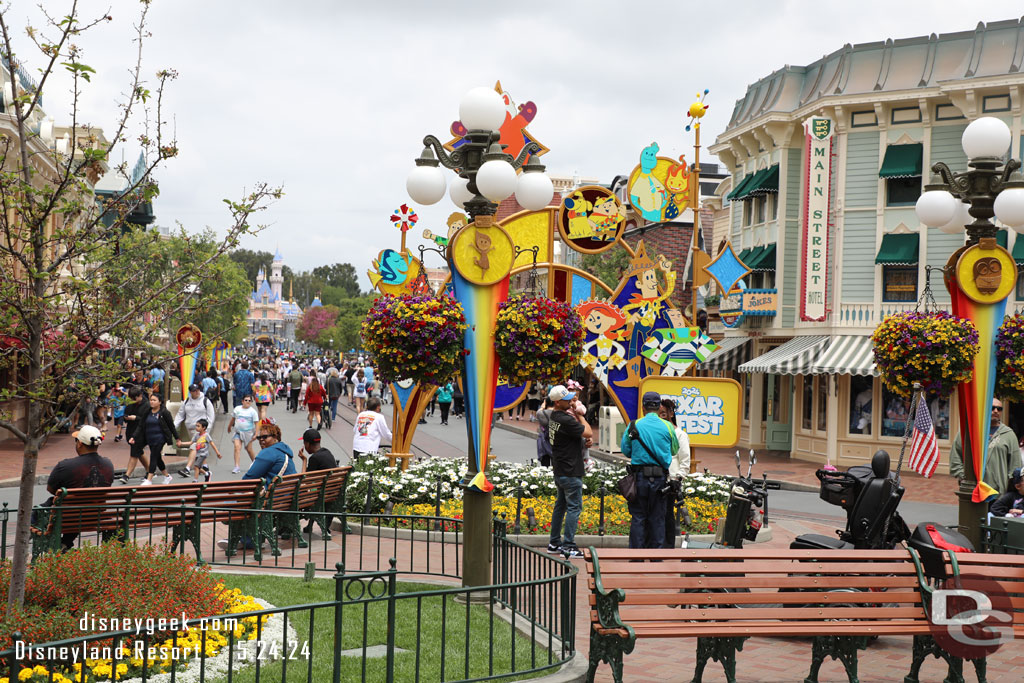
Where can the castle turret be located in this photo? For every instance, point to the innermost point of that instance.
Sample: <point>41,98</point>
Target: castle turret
<point>276,278</point>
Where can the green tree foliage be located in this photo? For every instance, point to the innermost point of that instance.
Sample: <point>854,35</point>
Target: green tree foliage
<point>75,276</point>
<point>607,267</point>
<point>251,261</point>
<point>340,276</point>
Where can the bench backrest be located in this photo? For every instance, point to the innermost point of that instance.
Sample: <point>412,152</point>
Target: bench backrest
<point>335,483</point>
<point>103,508</point>
<point>749,584</point>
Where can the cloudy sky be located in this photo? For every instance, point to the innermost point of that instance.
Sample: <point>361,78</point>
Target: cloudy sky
<point>331,99</point>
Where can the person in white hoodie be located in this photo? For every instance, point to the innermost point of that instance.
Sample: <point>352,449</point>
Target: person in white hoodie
<point>679,467</point>
<point>196,406</point>
<point>369,428</point>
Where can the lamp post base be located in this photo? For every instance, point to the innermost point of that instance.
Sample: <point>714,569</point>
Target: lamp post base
<point>970,513</point>
<point>476,538</point>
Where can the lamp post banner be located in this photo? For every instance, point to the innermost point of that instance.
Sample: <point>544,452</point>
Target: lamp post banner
<point>816,220</point>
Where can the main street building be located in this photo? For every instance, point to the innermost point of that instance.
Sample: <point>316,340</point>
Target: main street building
<point>827,161</point>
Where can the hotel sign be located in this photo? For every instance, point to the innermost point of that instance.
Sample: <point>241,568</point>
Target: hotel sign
<point>817,190</point>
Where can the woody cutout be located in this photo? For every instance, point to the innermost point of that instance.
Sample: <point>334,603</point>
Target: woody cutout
<point>647,305</point>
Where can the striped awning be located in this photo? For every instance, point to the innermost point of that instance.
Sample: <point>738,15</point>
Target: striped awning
<point>795,357</point>
<point>847,355</point>
<point>730,353</point>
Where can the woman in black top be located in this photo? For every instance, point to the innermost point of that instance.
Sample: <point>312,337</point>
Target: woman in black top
<point>134,413</point>
<point>155,429</point>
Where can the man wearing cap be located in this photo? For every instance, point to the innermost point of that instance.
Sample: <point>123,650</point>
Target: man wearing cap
<point>649,443</point>
<point>568,432</point>
<point>314,457</point>
<point>87,470</point>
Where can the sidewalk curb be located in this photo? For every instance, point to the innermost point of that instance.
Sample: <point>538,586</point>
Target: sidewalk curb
<point>16,481</point>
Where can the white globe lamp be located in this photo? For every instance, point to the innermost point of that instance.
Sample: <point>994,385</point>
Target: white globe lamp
<point>986,137</point>
<point>534,189</point>
<point>935,208</point>
<point>425,184</point>
<point>496,179</point>
<point>961,218</point>
<point>1009,207</point>
<point>482,109</point>
<point>459,192</point>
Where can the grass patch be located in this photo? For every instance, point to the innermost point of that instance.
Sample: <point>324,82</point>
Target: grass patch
<point>434,626</point>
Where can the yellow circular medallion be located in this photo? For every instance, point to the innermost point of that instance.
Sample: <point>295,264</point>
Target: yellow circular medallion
<point>986,274</point>
<point>483,255</point>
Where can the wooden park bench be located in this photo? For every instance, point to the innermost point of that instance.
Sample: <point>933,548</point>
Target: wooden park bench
<point>118,510</point>
<point>840,598</point>
<point>330,499</point>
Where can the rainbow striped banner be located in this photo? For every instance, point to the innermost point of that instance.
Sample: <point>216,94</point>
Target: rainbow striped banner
<point>975,396</point>
<point>480,367</point>
<point>187,364</point>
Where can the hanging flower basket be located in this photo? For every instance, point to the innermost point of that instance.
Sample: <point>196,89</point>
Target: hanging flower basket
<point>936,349</point>
<point>415,337</point>
<point>537,339</point>
<point>1010,359</point>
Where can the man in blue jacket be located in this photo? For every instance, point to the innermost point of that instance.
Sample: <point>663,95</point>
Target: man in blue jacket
<point>649,443</point>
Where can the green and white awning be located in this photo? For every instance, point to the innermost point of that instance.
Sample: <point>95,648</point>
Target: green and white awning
<point>848,355</point>
<point>898,249</point>
<point>795,357</point>
<point>902,161</point>
<point>731,352</point>
<point>763,260</point>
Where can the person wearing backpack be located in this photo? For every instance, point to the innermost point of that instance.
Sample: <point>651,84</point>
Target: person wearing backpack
<point>649,443</point>
<point>444,400</point>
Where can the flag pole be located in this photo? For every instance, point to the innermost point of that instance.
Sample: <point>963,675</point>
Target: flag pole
<point>915,404</point>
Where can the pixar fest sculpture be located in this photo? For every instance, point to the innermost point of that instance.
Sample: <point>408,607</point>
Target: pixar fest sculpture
<point>635,338</point>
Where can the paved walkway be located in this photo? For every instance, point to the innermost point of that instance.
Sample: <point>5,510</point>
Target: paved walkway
<point>940,488</point>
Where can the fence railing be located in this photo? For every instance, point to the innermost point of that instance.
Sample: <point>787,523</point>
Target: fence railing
<point>1002,535</point>
<point>375,628</point>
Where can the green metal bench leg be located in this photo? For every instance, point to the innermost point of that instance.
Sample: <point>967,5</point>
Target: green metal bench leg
<point>925,646</point>
<point>268,532</point>
<point>234,536</point>
<point>720,650</point>
<point>290,525</point>
<point>609,649</point>
<point>843,648</point>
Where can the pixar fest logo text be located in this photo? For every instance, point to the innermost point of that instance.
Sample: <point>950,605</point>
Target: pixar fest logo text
<point>699,414</point>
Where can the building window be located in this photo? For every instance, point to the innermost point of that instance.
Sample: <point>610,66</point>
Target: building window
<point>899,283</point>
<point>746,397</point>
<point>759,209</point>
<point>1020,282</point>
<point>773,206</point>
<point>905,115</point>
<point>807,404</point>
<point>902,191</point>
<point>860,404</point>
<point>939,409</point>
<point>748,213</point>
<point>994,103</point>
<point>264,299</point>
<point>897,412</point>
<point>822,394</point>
<point>861,119</point>
<point>264,314</point>
<point>947,112</point>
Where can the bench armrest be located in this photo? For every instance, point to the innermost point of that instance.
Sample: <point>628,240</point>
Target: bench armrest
<point>607,602</point>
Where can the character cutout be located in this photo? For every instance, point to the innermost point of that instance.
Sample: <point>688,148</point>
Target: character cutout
<point>647,193</point>
<point>646,307</point>
<point>455,222</point>
<point>677,183</point>
<point>512,131</point>
<point>602,349</point>
<point>482,245</point>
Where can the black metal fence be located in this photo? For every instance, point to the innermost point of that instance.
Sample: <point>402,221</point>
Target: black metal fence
<point>1002,535</point>
<point>375,628</point>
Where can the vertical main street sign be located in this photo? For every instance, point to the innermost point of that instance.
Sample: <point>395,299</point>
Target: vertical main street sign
<point>817,190</point>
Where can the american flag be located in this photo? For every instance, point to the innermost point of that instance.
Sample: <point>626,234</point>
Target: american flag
<point>924,451</point>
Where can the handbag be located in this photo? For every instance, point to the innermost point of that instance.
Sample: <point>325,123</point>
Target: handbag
<point>627,487</point>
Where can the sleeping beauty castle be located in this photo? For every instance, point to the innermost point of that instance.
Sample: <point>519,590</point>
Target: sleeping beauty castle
<point>271,317</point>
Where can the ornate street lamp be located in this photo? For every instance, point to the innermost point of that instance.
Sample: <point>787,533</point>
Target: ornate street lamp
<point>480,257</point>
<point>980,276</point>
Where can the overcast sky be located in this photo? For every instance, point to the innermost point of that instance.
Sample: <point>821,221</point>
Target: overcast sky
<point>331,99</point>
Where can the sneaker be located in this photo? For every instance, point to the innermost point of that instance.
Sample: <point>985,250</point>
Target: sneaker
<point>123,478</point>
<point>118,438</point>
<point>168,479</point>
<point>554,549</point>
<point>236,470</point>
<point>146,482</point>
<point>207,475</point>
<point>185,472</point>
<point>571,550</point>
<point>222,543</point>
